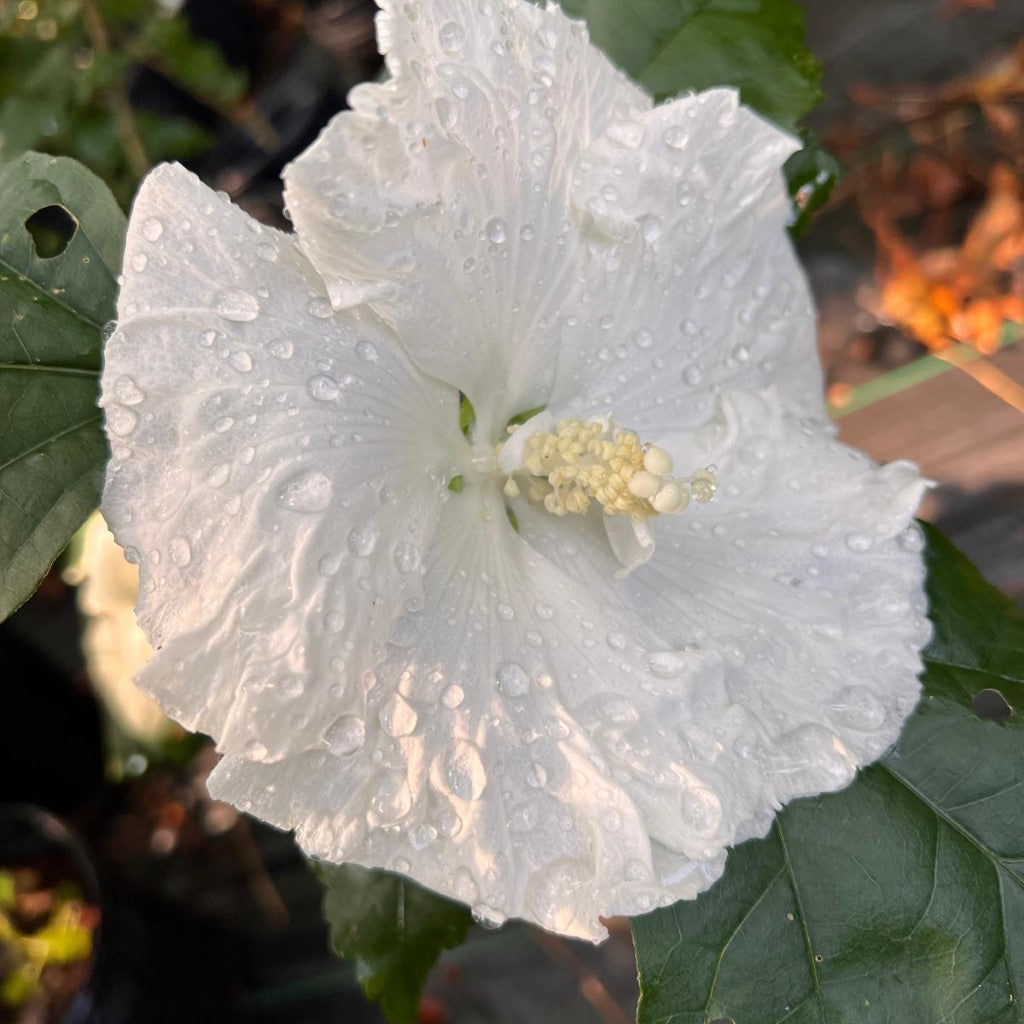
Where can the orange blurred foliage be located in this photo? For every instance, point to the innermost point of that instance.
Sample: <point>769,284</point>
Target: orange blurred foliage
<point>958,294</point>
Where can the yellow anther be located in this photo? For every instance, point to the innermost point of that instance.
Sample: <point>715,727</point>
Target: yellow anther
<point>511,488</point>
<point>582,462</point>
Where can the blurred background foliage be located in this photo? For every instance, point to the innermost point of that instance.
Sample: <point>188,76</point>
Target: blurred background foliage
<point>72,73</point>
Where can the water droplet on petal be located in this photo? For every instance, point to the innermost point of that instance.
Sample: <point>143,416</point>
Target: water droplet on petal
<point>397,716</point>
<point>497,231</point>
<point>281,349</point>
<point>180,551</point>
<point>266,252</point>
<point>320,308</point>
<point>551,893</point>
<point>236,304</point>
<point>452,37</point>
<point>675,137</point>
<point>858,542</point>
<point>912,539</point>
<point>368,352</point>
<point>511,679</point>
<point>362,540</point>
<point>218,474</point>
<point>241,361</point>
<point>459,771</point>
<point>407,557</point>
<point>346,735</point>
<point>392,800</point>
<point>152,229</point>
<point>329,565</point>
<point>254,751</point>
<point>127,392</point>
<point>322,388</point>
<point>310,491</point>
<point>453,696</point>
<point>666,664</point>
<point>120,421</point>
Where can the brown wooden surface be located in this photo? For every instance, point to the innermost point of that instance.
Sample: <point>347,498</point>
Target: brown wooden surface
<point>972,445</point>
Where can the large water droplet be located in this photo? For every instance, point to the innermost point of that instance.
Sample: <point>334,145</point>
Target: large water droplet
<point>666,664</point>
<point>218,474</point>
<point>127,392</point>
<point>266,252</point>
<point>241,361</point>
<point>453,696</point>
<point>367,351</point>
<point>459,771</point>
<point>322,388</point>
<point>254,750</point>
<point>497,230</point>
<point>392,800</point>
<point>120,421</point>
<point>320,308</point>
<point>362,540</point>
<point>236,304</point>
<point>552,891</point>
<point>310,491</point>
<point>912,539</point>
<point>511,679</point>
<point>701,810</point>
<point>346,735</point>
<point>452,37</point>
<point>398,717</point>
<point>180,551</point>
<point>407,557</point>
<point>675,137</point>
<point>152,229</point>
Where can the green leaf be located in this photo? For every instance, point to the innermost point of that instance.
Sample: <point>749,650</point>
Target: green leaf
<point>52,315</point>
<point>393,930</point>
<point>900,899</point>
<point>670,46</point>
<point>812,174</point>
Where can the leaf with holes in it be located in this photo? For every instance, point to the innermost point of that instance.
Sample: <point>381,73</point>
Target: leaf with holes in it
<point>392,929</point>
<point>61,239</point>
<point>900,898</point>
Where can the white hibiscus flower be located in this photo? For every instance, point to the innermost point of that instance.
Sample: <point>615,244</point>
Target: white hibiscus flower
<point>515,668</point>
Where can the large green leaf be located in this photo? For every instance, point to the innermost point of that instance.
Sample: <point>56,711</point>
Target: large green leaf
<point>899,900</point>
<point>52,315</point>
<point>393,930</point>
<point>670,46</point>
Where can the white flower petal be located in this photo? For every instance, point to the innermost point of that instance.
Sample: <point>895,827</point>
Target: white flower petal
<point>478,768</point>
<point>277,472</point>
<point>692,283</point>
<point>789,614</point>
<point>443,196</point>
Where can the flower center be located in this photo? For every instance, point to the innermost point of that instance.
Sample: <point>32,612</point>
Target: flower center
<point>580,462</point>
